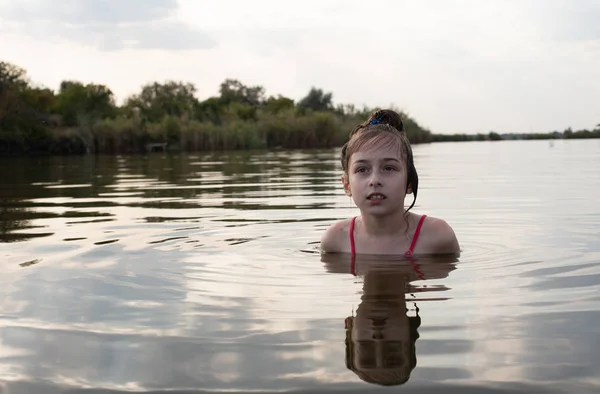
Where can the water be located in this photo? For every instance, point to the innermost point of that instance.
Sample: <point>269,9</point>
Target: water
<point>200,273</point>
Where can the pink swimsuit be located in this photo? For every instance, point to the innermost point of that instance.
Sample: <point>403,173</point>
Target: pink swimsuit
<point>409,252</point>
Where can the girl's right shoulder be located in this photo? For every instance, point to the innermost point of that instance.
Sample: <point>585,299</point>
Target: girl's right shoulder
<point>335,238</point>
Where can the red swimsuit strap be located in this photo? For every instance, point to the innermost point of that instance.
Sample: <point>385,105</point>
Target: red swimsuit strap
<point>410,250</point>
<point>353,255</point>
<point>352,249</point>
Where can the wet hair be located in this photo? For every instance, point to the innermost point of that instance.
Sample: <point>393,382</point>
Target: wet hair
<point>383,126</point>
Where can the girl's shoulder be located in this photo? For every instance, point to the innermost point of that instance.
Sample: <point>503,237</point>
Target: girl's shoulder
<point>437,236</point>
<point>334,239</point>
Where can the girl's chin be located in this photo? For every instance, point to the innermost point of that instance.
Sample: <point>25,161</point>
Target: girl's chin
<point>379,205</point>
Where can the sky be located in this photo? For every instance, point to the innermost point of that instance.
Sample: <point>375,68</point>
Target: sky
<point>455,66</point>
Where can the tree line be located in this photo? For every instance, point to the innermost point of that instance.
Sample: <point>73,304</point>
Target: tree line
<point>568,133</point>
<point>84,118</point>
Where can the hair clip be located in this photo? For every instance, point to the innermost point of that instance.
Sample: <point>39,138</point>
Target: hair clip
<point>375,121</point>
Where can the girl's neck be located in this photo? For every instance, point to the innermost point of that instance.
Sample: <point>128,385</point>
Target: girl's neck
<point>390,225</point>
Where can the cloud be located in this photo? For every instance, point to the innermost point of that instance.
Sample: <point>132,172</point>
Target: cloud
<point>150,35</point>
<point>91,11</point>
<point>564,20</point>
<point>108,25</point>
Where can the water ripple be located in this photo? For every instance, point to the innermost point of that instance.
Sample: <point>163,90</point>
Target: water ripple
<point>202,272</point>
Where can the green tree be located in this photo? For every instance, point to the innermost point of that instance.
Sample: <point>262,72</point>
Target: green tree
<point>76,101</point>
<point>157,100</point>
<point>13,83</point>
<point>317,100</point>
<point>22,111</point>
<point>13,77</point>
<point>233,91</point>
<point>493,136</point>
<point>277,104</point>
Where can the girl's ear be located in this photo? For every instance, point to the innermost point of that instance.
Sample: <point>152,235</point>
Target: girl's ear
<point>346,184</point>
<point>409,189</point>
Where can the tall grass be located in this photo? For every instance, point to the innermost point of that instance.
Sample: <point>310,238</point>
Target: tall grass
<point>286,129</point>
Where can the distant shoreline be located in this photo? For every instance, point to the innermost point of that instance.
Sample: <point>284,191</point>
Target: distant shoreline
<point>567,134</point>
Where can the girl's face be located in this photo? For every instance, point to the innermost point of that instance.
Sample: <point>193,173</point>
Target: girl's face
<point>376,179</point>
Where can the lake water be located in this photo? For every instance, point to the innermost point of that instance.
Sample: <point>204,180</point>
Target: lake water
<point>201,273</point>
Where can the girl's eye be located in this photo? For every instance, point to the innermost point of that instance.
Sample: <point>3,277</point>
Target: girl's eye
<point>389,168</point>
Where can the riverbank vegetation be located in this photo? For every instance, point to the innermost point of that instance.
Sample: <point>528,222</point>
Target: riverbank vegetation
<point>84,118</point>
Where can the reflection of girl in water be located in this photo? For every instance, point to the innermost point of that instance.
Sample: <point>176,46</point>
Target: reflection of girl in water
<point>381,338</point>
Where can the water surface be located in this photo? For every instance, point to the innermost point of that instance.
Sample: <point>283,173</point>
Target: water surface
<point>201,273</point>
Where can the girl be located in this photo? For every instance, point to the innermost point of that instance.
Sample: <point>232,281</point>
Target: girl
<point>378,173</point>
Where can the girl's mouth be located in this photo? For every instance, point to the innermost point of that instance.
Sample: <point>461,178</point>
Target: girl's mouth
<point>375,197</point>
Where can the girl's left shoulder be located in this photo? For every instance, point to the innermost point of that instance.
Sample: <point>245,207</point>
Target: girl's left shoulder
<point>437,237</point>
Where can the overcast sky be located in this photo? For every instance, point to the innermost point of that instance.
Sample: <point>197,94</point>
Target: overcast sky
<point>457,66</point>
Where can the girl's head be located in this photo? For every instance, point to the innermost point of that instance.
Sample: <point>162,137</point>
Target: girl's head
<point>382,130</point>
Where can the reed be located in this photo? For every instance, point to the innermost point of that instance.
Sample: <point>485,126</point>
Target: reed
<point>286,129</point>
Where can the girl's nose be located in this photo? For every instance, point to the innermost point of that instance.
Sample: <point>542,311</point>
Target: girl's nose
<point>375,180</point>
